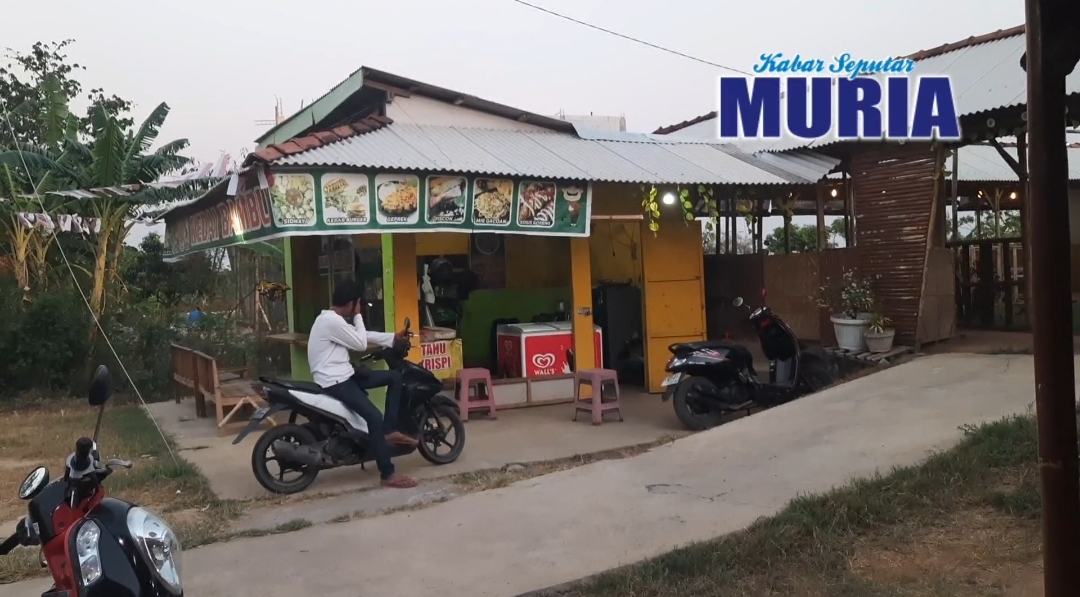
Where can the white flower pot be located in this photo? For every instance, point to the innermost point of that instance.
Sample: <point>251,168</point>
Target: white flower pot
<point>879,342</point>
<point>850,333</point>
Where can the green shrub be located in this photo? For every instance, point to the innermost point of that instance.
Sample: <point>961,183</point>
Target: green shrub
<point>43,340</point>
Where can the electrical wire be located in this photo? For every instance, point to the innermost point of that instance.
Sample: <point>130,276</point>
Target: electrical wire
<point>82,293</point>
<point>627,37</point>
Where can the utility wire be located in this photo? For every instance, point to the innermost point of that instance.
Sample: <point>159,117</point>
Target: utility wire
<point>627,37</point>
<point>78,285</point>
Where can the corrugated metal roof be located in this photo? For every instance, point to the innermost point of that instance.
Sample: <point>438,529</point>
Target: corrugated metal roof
<point>645,159</point>
<point>983,163</point>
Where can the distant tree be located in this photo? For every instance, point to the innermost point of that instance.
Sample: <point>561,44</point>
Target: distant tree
<point>1008,225</point>
<point>32,85</point>
<point>149,276</point>
<point>803,239</point>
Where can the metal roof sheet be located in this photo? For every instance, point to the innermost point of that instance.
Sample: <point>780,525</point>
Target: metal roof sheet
<point>640,159</point>
<point>983,163</point>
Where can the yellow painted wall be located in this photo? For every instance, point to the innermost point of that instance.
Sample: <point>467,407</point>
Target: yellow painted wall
<point>674,292</point>
<point>615,251</point>
<point>537,261</point>
<point>442,243</point>
<point>367,241</point>
<point>406,287</point>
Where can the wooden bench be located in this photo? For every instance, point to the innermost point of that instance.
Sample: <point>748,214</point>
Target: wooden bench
<point>228,388</point>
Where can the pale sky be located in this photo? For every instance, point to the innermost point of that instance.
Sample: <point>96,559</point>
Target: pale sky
<point>220,64</point>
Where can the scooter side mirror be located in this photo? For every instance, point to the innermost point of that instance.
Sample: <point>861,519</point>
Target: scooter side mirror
<point>100,387</point>
<point>764,294</point>
<point>738,302</point>
<point>408,324</point>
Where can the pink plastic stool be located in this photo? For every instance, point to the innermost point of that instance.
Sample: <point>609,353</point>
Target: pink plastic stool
<point>466,382</point>
<point>599,404</point>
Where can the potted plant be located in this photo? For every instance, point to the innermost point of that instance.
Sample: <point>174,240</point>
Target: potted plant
<point>879,336</point>
<point>851,302</point>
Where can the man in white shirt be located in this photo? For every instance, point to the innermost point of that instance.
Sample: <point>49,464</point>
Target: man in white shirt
<point>332,337</point>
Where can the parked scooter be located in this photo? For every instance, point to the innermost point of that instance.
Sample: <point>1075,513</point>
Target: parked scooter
<point>96,546</point>
<point>333,435</point>
<point>712,379</point>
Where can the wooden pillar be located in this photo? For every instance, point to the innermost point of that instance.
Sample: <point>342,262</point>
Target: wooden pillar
<point>955,193</point>
<point>406,288</point>
<point>822,234</point>
<point>978,216</point>
<point>581,305</point>
<point>1049,60</point>
<point>849,212</point>
<point>1025,219</point>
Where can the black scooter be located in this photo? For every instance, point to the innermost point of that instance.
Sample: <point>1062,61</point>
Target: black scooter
<point>712,379</point>
<point>332,435</point>
<point>96,546</point>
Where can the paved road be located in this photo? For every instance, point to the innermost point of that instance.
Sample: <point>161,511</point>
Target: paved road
<point>568,525</point>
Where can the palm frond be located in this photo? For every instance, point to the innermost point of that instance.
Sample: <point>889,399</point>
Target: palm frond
<point>108,150</point>
<point>153,167</point>
<point>33,156</point>
<point>54,111</point>
<point>141,141</point>
<point>172,147</point>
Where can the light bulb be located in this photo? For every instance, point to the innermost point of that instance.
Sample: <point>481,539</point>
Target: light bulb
<point>669,198</point>
<point>1012,195</point>
<point>834,192</point>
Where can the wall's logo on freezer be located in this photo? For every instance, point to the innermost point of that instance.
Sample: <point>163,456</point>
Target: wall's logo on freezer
<point>843,98</point>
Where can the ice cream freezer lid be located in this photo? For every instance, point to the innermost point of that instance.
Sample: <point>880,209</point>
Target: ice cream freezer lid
<point>557,327</point>
<point>566,326</point>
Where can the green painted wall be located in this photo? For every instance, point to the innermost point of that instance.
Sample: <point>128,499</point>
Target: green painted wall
<point>484,306</point>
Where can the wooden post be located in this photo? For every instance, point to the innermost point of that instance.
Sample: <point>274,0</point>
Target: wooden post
<point>581,305</point>
<point>1025,218</point>
<point>1049,42</point>
<point>849,212</point>
<point>998,192</point>
<point>822,233</point>
<point>956,193</point>
<point>406,288</point>
<point>978,216</point>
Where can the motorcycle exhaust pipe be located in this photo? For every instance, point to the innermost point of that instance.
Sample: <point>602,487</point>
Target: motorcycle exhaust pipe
<point>299,454</point>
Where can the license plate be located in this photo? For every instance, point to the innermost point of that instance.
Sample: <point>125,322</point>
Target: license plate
<point>260,413</point>
<point>672,379</point>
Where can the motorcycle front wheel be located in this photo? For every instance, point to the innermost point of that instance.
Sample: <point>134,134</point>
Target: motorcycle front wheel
<point>442,435</point>
<point>691,405</point>
<point>299,476</point>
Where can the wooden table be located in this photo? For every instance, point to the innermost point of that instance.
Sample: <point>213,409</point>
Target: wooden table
<point>289,338</point>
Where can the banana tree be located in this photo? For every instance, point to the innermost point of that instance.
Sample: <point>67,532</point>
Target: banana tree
<point>112,157</point>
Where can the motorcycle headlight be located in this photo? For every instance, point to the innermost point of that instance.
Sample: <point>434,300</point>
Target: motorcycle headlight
<point>159,546</point>
<point>86,551</point>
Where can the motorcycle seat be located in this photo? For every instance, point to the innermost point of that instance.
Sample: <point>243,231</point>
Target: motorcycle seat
<point>704,344</point>
<point>294,384</point>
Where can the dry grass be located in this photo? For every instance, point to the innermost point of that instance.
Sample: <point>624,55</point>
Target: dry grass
<point>964,523</point>
<point>512,473</point>
<point>45,433</point>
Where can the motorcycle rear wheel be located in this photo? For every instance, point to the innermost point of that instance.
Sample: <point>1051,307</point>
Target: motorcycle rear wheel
<point>276,483</point>
<point>434,431</point>
<point>694,412</point>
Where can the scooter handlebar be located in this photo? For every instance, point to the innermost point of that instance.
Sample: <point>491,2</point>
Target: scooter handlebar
<point>83,448</point>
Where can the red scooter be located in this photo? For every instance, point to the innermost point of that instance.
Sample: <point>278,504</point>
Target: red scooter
<point>96,546</point>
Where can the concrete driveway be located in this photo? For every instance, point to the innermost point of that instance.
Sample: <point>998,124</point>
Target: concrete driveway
<point>578,522</point>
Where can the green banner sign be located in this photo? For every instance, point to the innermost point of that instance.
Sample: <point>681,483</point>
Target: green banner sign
<point>346,203</point>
